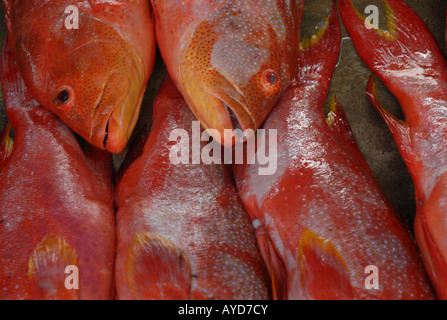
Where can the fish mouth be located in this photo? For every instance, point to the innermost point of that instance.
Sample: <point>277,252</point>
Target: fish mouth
<point>121,107</point>
<point>224,119</point>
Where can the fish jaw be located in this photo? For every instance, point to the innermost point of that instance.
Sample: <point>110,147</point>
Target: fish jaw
<point>119,108</point>
<point>218,113</point>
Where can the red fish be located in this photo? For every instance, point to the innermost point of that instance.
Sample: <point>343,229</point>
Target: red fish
<point>182,230</point>
<point>94,77</point>
<point>323,221</point>
<point>230,59</point>
<point>56,204</point>
<point>410,63</point>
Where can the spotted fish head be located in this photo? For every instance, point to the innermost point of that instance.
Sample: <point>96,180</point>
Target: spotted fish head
<point>93,78</point>
<point>234,67</point>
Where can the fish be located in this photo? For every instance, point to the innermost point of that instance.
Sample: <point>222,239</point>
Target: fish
<point>57,226</point>
<point>87,61</point>
<point>408,60</point>
<point>183,232</point>
<point>324,226</point>
<point>230,59</point>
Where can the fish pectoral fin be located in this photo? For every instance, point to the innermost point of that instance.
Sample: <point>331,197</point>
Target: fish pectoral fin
<point>6,143</point>
<point>324,273</point>
<point>274,264</point>
<point>47,270</point>
<point>157,269</point>
<point>399,129</point>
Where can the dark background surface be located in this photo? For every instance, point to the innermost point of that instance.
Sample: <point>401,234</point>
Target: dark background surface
<point>348,84</point>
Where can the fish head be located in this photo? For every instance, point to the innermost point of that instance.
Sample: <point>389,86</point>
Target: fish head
<point>93,77</point>
<point>233,80</point>
<point>97,89</point>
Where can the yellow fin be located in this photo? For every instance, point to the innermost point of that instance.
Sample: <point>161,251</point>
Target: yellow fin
<point>324,273</point>
<point>46,269</point>
<point>156,269</point>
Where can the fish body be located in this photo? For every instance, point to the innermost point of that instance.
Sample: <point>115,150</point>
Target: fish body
<point>230,59</point>
<point>407,58</point>
<point>91,75</point>
<point>182,230</point>
<point>56,204</point>
<point>323,222</point>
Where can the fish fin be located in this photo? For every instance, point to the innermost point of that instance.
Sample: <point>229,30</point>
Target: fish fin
<point>430,235</point>
<point>156,269</point>
<point>339,124</point>
<point>399,129</point>
<point>46,269</point>
<point>323,271</point>
<point>15,92</point>
<point>274,264</point>
<point>319,54</point>
<point>7,5</point>
<point>135,151</point>
<point>399,46</point>
<point>6,143</point>
<point>434,264</point>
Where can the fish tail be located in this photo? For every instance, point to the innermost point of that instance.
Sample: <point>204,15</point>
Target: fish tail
<point>153,268</point>
<point>319,54</point>
<point>406,42</point>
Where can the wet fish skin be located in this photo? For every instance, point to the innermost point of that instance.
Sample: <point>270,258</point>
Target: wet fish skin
<point>182,230</point>
<point>407,58</point>
<point>322,217</point>
<point>56,203</point>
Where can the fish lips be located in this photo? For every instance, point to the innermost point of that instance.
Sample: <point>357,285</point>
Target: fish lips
<point>118,110</point>
<point>231,116</point>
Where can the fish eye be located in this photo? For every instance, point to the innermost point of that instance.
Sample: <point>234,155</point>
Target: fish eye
<point>271,81</point>
<point>63,96</point>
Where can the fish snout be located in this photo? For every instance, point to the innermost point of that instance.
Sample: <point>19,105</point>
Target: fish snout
<point>118,110</point>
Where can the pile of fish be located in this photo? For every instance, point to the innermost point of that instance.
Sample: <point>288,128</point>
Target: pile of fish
<point>183,218</point>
